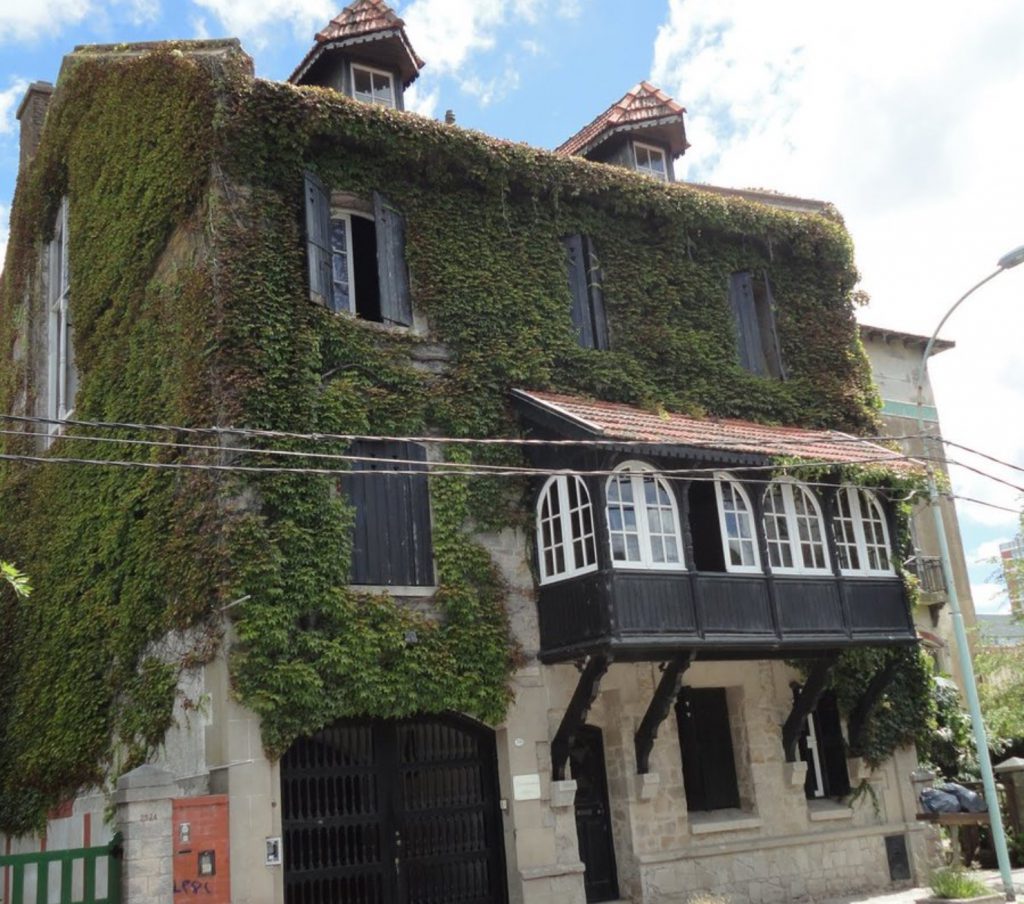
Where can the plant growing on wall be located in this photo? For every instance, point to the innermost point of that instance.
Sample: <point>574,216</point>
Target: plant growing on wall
<point>189,298</point>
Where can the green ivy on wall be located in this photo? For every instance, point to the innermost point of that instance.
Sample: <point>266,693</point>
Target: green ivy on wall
<point>190,307</point>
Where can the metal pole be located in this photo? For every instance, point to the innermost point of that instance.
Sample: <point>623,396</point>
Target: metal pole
<point>959,631</point>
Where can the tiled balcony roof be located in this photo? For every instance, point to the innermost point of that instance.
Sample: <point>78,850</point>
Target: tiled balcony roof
<point>612,420</point>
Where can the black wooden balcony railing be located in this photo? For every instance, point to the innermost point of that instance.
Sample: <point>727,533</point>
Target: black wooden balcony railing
<point>643,615</point>
<point>929,573</point>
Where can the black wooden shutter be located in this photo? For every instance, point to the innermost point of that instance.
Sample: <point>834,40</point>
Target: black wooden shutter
<point>576,262</point>
<point>392,274</point>
<point>831,747</point>
<point>318,238</point>
<point>769,333</point>
<point>391,542</point>
<point>596,296</point>
<point>748,332</point>
<point>709,766</point>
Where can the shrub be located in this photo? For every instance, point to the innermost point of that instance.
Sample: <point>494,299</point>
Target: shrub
<point>955,882</point>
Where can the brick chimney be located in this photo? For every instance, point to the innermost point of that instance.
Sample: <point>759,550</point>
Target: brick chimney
<point>32,114</point>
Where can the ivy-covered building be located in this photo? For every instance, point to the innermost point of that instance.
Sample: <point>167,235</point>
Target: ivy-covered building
<point>482,523</point>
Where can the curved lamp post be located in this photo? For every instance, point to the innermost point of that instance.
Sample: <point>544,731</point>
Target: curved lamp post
<point>1007,261</point>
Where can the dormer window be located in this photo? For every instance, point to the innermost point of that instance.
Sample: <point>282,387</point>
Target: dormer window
<point>373,86</point>
<point>650,160</point>
<point>643,523</point>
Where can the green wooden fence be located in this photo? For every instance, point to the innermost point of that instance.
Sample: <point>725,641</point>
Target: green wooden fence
<point>15,866</point>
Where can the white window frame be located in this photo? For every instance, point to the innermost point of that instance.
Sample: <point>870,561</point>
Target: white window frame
<point>817,765</point>
<point>371,71</point>
<point>854,498</point>
<point>347,216</point>
<point>559,485</point>
<point>652,150</point>
<point>721,479</point>
<point>789,488</point>
<point>60,350</point>
<point>638,471</point>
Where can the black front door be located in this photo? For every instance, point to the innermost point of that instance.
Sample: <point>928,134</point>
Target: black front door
<point>393,812</point>
<point>593,820</point>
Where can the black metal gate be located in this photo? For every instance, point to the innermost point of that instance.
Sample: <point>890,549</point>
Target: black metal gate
<point>393,812</point>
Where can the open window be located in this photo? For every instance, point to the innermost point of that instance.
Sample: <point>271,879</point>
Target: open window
<point>587,312</point>
<point>391,543</point>
<point>753,310</point>
<point>823,749</point>
<point>862,537</point>
<point>643,522</point>
<point>356,258</point>
<point>705,737</point>
<point>565,529</point>
<point>62,373</point>
<point>794,529</point>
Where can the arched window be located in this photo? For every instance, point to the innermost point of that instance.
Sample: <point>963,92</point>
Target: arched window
<point>794,528</point>
<point>736,516</point>
<point>643,524</point>
<point>565,529</point>
<point>862,538</point>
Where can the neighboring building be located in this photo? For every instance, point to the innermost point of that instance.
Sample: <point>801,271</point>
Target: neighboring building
<point>895,361</point>
<point>379,659</point>
<point>1011,560</point>
<point>1000,630</point>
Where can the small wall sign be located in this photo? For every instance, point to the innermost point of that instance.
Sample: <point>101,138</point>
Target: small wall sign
<point>526,787</point>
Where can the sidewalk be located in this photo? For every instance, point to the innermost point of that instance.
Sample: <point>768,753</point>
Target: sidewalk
<point>912,895</point>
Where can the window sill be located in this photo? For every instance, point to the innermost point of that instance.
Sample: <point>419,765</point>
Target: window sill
<point>824,810</point>
<point>394,590</point>
<point>722,821</point>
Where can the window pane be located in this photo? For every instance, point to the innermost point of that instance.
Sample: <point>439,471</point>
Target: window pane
<point>362,83</point>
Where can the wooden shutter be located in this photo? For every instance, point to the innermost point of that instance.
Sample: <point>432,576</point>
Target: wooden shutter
<point>392,274</point>
<point>391,542</point>
<point>748,332</point>
<point>769,333</point>
<point>831,746</point>
<point>595,294</point>
<point>709,766</point>
<point>318,239</point>
<point>576,262</point>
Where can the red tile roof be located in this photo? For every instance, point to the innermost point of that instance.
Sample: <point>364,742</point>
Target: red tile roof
<point>617,421</point>
<point>642,104</point>
<point>362,19</point>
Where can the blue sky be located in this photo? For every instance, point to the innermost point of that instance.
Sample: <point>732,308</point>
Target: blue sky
<point>907,120</point>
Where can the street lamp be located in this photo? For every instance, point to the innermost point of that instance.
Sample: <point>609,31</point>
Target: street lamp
<point>1006,262</point>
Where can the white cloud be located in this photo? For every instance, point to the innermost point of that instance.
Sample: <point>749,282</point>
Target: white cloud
<point>28,21</point>
<point>25,21</point>
<point>446,33</point>
<point>986,553</point>
<point>905,120</point>
<point>256,21</point>
<point>989,597</point>
<point>487,91</point>
<point>9,100</point>
<point>419,100</point>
